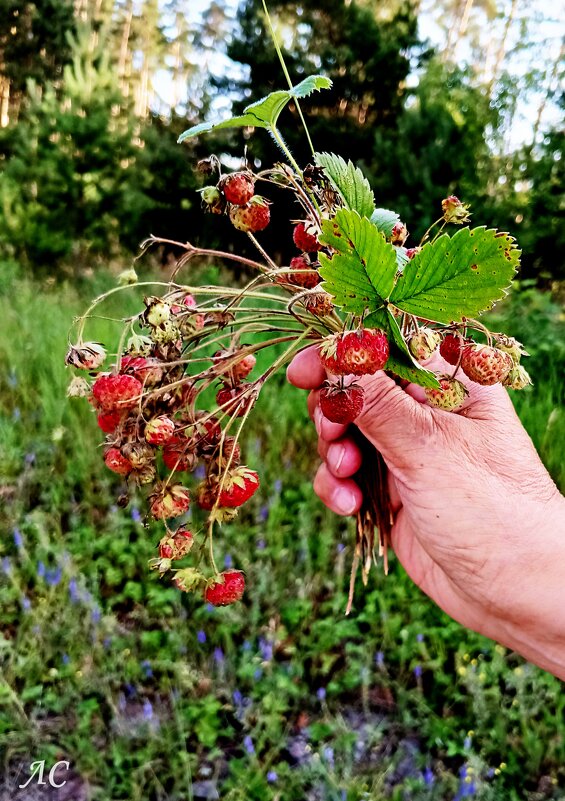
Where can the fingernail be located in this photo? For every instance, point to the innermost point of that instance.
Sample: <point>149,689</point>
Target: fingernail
<point>345,501</point>
<point>318,420</point>
<point>336,454</point>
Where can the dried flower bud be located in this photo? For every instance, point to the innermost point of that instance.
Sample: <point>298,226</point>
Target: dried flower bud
<point>454,211</point>
<point>86,356</point>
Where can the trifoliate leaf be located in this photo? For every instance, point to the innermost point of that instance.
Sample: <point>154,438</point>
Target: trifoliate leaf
<point>385,220</point>
<point>361,274</point>
<point>349,182</point>
<point>459,276</point>
<point>263,113</point>
<point>400,362</point>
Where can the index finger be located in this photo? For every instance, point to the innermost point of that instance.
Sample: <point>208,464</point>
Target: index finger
<point>305,371</point>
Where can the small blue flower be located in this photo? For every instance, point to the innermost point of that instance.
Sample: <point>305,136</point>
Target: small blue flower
<point>18,539</point>
<point>30,458</point>
<point>379,659</point>
<point>201,636</point>
<point>107,643</point>
<point>65,659</point>
<point>135,514</point>
<point>26,603</point>
<point>321,694</point>
<point>237,697</point>
<point>257,674</point>
<point>261,545</point>
<point>6,566</point>
<point>467,743</point>
<point>95,614</point>
<point>419,637</point>
<point>246,645</point>
<point>277,486</point>
<point>272,776</point>
<point>429,777</point>
<point>147,710</point>
<point>53,577</point>
<point>122,703</point>
<point>146,668</point>
<point>328,753</point>
<point>210,608</point>
<point>40,569</point>
<point>218,656</point>
<point>418,671</point>
<point>200,472</point>
<point>263,513</point>
<point>228,561</point>
<point>340,547</point>
<point>248,744</point>
<point>266,648</point>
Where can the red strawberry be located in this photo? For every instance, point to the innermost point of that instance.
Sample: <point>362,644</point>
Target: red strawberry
<point>169,501</point>
<point>485,365</point>
<point>360,352</point>
<point>399,234</point>
<point>148,371</point>
<point>411,252</point>
<point>109,421</point>
<point>450,348</point>
<point>304,239</point>
<point>239,485</point>
<point>117,462</point>
<point>302,273</point>
<point>252,217</point>
<point>179,456</point>
<point>176,545</point>
<point>449,397</point>
<point>239,369</point>
<point>238,188</point>
<point>115,392</point>
<point>235,400</point>
<point>159,430</point>
<point>226,589</point>
<point>341,404</point>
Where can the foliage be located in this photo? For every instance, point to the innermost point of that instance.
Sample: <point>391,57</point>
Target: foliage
<point>115,671</point>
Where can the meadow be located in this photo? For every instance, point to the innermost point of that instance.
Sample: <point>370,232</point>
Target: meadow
<point>152,695</point>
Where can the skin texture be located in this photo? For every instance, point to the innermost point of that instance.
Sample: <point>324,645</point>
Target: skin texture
<point>479,524</point>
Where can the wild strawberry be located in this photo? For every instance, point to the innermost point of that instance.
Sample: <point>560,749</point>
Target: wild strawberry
<point>227,588</point>
<point>484,364</point>
<point>341,404</point>
<point>238,188</point>
<point>252,217</point>
<point>399,234</point>
<point>238,486</point>
<point>449,397</point>
<point>411,252</point>
<point>454,211</point>
<point>318,303</point>
<point>360,352</point>
<point>239,369</point>
<point>115,392</point>
<point>207,430</point>
<point>450,348</point>
<point>87,356</point>
<point>212,200</point>
<point>177,544</point>
<point>304,237</point>
<point>139,454</point>
<point>511,346</point>
<point>109,421</point>
<point>228,452</point>
<point>188,579</point>
<point>235,401</point>
<point>157,311</point>
<point>517,378</point>
<point>145,474</point>
<point>423,343</point>
<point>159,430</point>
<point>148,371</point>
<point>302,274</point>
<point>188,302</point>
<point>179,457</point>
<point>169,501</point>
<point>117,462</point>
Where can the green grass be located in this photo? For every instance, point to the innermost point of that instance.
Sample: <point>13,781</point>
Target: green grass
<point>106,666</point>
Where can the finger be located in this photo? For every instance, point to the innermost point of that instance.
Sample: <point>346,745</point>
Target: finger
<point>313,400</point>
<point>305,371</point>
<point>342,496</point>
<point>325,428</point>
<point>343,458</point>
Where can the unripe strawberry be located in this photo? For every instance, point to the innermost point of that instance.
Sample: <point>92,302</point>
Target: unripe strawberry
<point>399,234</point>
<point>517,378</point>
<point>341,404</point>
<point>116,392</point>
<point>188,302</point>
<point>227,588</point>
<point>238,188</point>
<point>512,347</point>
<point>78,387</point>
<point>145,474</point>
<point>180,456</point>
<point>360,352</point>
<point>485,365</point>
<point>411,252</point>
<point>139,454</point>
<point>188,579</point>
<point>212,200</point>
<point>423,343</point>
<point>159,430</point>
<point>117,462</point>
<point>318,303</point>
<point>239,369</point>
<point>304,237</point>
<point>255,216</point>
<point>450,348</point>
<point>176,545</point>
<point>302,274</point>
<point>157,311</point>
<point>169,501</point>
<point>148,371</point>
<point>87,356</point>
<point>449,397</point>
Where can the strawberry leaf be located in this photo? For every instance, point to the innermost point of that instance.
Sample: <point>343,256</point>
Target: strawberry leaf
<point>459,276</point>
<point>400,362</point>
<point>349,182</point>
<point>263,113</point>
<point>385,220</point>
<point>361,274</point>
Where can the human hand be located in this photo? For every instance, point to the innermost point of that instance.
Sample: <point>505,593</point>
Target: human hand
<point>479,524</point>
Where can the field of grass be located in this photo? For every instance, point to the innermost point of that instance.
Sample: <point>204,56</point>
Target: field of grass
<point>152,696</point>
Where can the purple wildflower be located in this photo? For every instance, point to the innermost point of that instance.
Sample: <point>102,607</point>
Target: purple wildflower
<point>6,566</point>
<point>228,561</point>
<point>146,668</point>
<point>257,674</point>
<point>418,671</point>
<point>40,569</point>
<point>201,636</point>
<point>248,744</point>
<point>419,637</point>
<point>53,577</point>
<point>147,710</point>
<point>218,656</point>
<point>26,603</point>
<point>266,648</point>
<point>429,777</point>
<point>321,693</point>
<point>261,544</point>
<point>65,659</point>
<point>18,539</point>
<point>272,776</point>
<point>237,697</point>
<point>379,659</point>
<point>135,515</point>
<point>328,753</point>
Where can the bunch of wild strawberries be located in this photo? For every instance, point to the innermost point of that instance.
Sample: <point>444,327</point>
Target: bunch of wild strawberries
<point>148,403</point>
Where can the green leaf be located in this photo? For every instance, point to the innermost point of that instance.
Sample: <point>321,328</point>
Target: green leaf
<point>349,181</point>
<point>361,274</point>
<point>400,362</point>
<point>385,220</point>
<point>263,113</point>
<point>459,276</point>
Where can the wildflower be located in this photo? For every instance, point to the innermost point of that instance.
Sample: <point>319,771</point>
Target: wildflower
<point>419,637</point>
<point>257,674</point>
<point>379,659</point>
<point>418,671</point>
<point>228,561</point>
<point>218,656</point>
<point>328,753</point>
<point>237,697</point>
<point>272,776</point>
<point>246,645</point>
<point>53,577</point>
<point>266,648</point>
<point>26,603</point>
<point>40,569</point>
<point>6,566</point>
<point>248,744</point>
<point>201,636</point>
<point>18,539</point>
<point>321,694</point>
<point>135,515</point>
<point>73,591</point>
<point>261,545</point>
<point>65,659</point>
<point>146,668</point>
<point>429,777</point>
<point>147,710</point>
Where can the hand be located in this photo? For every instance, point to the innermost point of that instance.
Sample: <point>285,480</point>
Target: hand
<point>479,524</point>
